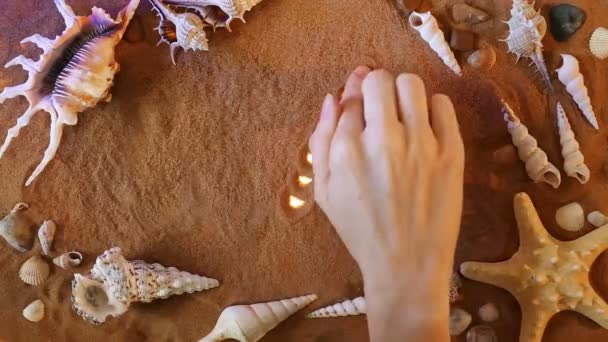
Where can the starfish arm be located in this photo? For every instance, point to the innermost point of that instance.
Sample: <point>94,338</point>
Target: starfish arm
<point>590,246</point>
<point>532,233</point>
<point>501,274</point>
<point>533,322</point>
<point>594,307</point>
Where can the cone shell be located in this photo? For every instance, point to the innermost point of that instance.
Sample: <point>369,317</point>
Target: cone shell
<point>34,271</point>
<point>34,312</point>
<point>349,307</point>
<point>46,235</point>
<point>483,59</point>
<point>16,229</point>
<point>599,43</point>
<point>68,260</point>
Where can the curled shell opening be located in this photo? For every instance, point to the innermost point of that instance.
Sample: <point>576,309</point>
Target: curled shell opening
<point>551,177</point>
<point>416,20</point>
<point>92,301</point>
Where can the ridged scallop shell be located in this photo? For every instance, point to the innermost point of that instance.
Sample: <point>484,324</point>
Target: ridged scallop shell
<point>570,217</point>
<point>34,271</point>
<point>34,312</point>
<point>219,13</point>
<point>598,44</point>
<point>574,161</point>
<point>46,235</point>
<point>571,77</point>
<point>17,229</point>
<point>74,73</point>
<point>348,307</point>
<point>484,58</point>
<point>68,260</point>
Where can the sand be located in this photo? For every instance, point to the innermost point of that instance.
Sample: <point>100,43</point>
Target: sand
<point>190,165</point>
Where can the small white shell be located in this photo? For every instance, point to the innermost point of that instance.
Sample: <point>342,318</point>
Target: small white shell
<point>489,312</point>
<point>34,312</point>
<point>429,30</point>
<point>46,235</point>
<point>68,260</point>
<point>597,219</point>
<point>570,217</point>
<point>483,59</point>
<point>459,321</point>
<point>599,43</point>
<point>571,77</point>
<point>34,271</point>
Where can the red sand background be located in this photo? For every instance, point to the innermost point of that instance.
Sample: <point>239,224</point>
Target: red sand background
<point>189,165</point>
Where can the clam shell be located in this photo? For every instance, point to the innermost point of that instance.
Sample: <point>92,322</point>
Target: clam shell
<point>68,260</point>
<point>489,312</point>
<point>570,217</point>
<point>34,312</point>
<point>34,271</point>
<point>599,43</point>
<point>46,235</point>
<point>484,58</point>
<point>597,219</point>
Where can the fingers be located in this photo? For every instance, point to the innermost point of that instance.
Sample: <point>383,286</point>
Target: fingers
<point>413,106</point>
<point>351,120</point>
<point>445,125</point>
<point>379,101</point>
<point>320,140</point>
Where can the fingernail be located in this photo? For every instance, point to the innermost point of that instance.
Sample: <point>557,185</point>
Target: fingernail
<point>326,108</point>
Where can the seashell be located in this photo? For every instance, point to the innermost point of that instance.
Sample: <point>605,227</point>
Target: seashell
<point>527,28</point>
<point>570,217</point>
<point>598,44</point>
<point>484,58</point>
<point>114,283</point>
<point>46,235</point>
<point>218,13</point>
<point>34,271</point>
<point>565,20</point>
<point>455,285</point>
<point>426,24</point>
<point>489,312</point>
<point>349,307</point>
<point>249,323</point>
<point>463,13</point>
<point>597,219</point>
<point>574,161</point>
<point>16,228</point>
<point>34,312</point>
<point>184,30</point>
<point>570,76</point>
<point>68,260</point>
<point>537,163</point>
<point>481,333</point>
<point>459,321</point>
<point>74,72</point>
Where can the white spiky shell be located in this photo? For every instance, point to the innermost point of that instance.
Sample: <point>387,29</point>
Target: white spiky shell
<point>232,9</point>
<point>348,307</point>
<point>249,323</point>
<point>34,271</point>
<point>574,161</point>
<point>598,43</point>
<point>46,236</point>
<point>74,73</point>
<point>68,260</point>
<point>570,76</point>
<point>537,163</point>
<point>16,228</point>
<point>34,312</point>
<point>114,283</point>
<point>429,30</point>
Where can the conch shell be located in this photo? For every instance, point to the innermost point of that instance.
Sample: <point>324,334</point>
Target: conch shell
<point>598,44</point>
<point>249,323</point>
<point>74,72</point>
<point>426,24</point>
<point>16,229</point>
<point>34,271</point>
<point>46,235</point>
<point>570,75</point>
<point>114,283</point>
<point>218,13</point>
<point>537,163</point>
<point>574,161</point>
<point>68,260</point>
<point>349,307</point>
<point>34,312</point>
<point>180,29</point>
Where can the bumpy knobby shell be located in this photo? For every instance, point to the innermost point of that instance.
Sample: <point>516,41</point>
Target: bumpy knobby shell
<point>488,312</point>
<point>219,13</point>
<point>598,44</point>
<point>68,260</point>
<point>74,72</point>
<point>459,321</point>
<point>249,323</point>
<point>426,24</point>
<point>481,333</point>
<point>574,161</point>
<point>34,312</point>
<point>570,217</point>
<point>570,75</point>
<point>46,235</point>
<point>114,283</point>
<point>184,30</point>
<point>348,307</point>
<point>34,271</point>
<point>16,228</point>
<point>597,219</point>
<point>537,163</point>
<point>484,58</point>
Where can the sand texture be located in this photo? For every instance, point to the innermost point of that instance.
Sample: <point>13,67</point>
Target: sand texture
<point>191,165</point>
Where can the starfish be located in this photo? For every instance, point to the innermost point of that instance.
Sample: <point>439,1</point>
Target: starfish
<point>546,275</point>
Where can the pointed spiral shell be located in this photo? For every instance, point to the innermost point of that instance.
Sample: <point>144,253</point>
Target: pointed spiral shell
<point>349,307</point>
<point>569,74</point>
<point>574,161</point>
<point>190,32</point>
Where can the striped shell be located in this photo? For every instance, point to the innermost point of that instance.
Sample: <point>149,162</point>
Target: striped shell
<point>349,307</point>
<point>68,260</point>
<point>46,235</point>
<point>598,44</point>
<point>34,271</point>
<point>34,312</point>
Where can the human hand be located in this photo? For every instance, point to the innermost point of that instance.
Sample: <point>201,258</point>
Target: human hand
<point>389,176</point>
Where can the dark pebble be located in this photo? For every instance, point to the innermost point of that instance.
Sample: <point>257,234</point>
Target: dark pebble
<point>565,21</point>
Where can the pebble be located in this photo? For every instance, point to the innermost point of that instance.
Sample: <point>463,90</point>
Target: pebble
<point>565,20</point>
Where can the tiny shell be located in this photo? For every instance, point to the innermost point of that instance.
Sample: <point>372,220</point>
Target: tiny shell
<point>46,235</point>
<point>489,312</point>
<point>459,321</point>
<point>597,219</point>
<point>68,260</point>
<point>481,333</point>
<point>34,312</point>
<point>570,217</point>
<point>483,59</point>
<point>34,271</point>
<point>599,43</point>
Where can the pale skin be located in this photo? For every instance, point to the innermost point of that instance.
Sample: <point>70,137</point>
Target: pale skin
<point>388,167</point>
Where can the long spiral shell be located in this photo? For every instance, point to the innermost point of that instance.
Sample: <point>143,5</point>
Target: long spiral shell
<point>569,74</point>
<point>537,163</point>
<point>574,161</point>
<point>349,307</point>
<point>426,24</point>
